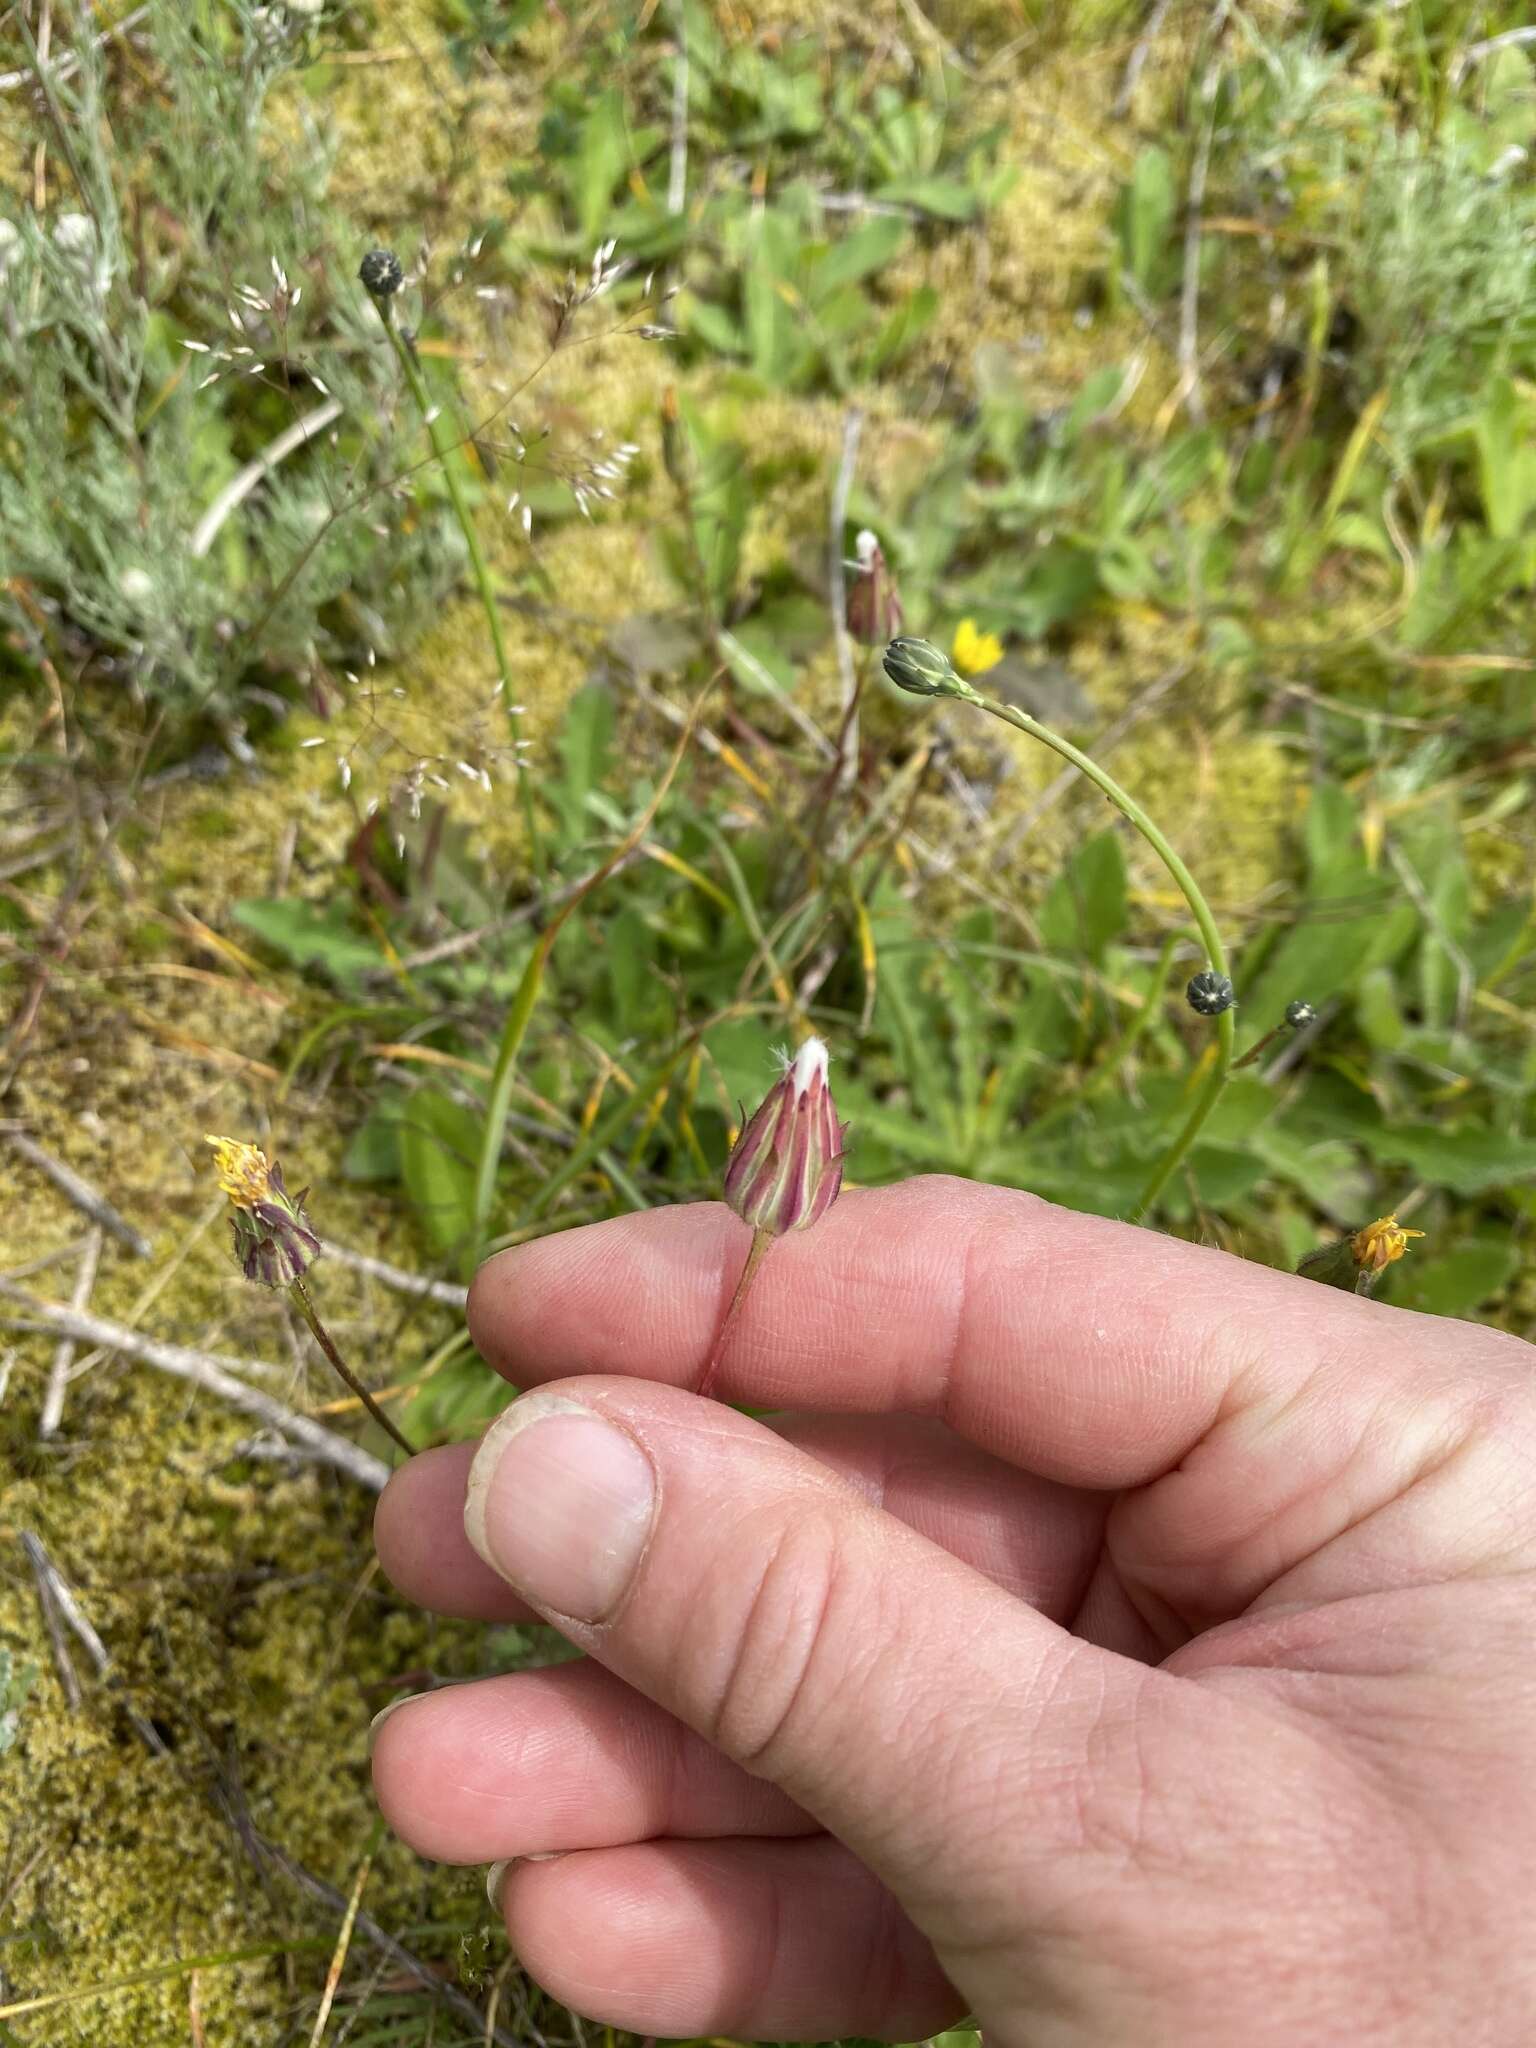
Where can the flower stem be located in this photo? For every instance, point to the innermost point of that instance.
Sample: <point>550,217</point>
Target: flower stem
<point>1200,910</point>
<point>443,449</point>
<point>756,1253</point>
<point>299,1295</point>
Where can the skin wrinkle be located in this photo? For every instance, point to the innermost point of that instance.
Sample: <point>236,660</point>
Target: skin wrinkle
<point>789,1553</point>
<point>879,1979</point>
<point>962,1308</point>
<point>1356,1519</point>
<point>1384,1421</point>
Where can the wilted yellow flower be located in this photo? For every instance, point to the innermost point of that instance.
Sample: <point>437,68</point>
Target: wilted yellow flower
<point>974,652</point>
<point>1357,1262</point>
<point>273,1243</point>
<point>243,1172</point>
<point>1381,1242</point>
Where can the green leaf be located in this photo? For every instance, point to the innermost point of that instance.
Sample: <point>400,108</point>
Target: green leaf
<point>1326,1170</point>
<point>1086,906</point>
<point>858,255</point>
<point>439,1146</point>
<point>710,324</point>
<point>1353,919</point>
<point>585,747</point>
<point>1377,1011</point>
<point>915,1141</point>
<point>721,494</point>
<point>1144,218</point>
<point>944,198</point>
<point>311,935</point>
<point>900,329</point>
<point>1469,1160</point>
<point>630,948</point>
<point>771,310</point>
<point>602,158</point>
<point>1457,1282</point>
<point>373,1151</point>
<point>1506,461</point>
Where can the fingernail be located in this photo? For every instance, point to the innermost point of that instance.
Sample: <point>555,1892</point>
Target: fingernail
<point>560,1502</point>
<point>383,1715</point>
<point>496,1876</point>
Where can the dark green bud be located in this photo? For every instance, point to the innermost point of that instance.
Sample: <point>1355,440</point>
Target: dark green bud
<point>380,273</point>
<point>924,670</point>
<point>1209,993</point>
<point>1299,1013</point>
<point>1335,1266</point>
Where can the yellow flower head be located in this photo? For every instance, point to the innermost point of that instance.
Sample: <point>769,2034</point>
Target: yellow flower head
<point>243,1172</point>
<point>1380,1243</point>
<point>974,652</point>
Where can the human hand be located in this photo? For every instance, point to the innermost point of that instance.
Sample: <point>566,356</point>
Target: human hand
<point>1119,1641</point>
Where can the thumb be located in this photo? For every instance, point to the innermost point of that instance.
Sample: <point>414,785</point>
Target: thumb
<point>925,1717</point>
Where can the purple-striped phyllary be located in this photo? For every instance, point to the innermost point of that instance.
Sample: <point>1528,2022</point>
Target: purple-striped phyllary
<point>787,1165</point>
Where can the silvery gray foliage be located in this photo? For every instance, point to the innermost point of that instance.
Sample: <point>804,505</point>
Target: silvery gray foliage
<point>159,366</point>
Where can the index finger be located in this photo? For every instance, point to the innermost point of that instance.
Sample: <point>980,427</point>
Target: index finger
<point>1089,1351</point>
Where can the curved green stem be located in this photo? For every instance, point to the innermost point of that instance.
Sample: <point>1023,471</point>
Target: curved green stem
<point>1200,910</point>
<point>444,450</point>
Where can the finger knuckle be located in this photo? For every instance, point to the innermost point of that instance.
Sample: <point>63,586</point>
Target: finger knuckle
<point>774,1669</point>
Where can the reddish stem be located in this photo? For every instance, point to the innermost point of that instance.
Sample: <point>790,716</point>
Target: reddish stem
<point>761,1240</point>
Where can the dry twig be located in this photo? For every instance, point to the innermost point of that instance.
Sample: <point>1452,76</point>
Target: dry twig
<point>215,1375</point>
<point>80,1192</point>
<point>418,1284</point>
<point>60,1592</point>
<point>64,1351</point>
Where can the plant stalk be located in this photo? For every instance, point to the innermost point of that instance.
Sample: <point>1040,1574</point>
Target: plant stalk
<point>756,1253</point>
<point>443,449</point>
<point>1200,910</point>
<point>299,1295</point>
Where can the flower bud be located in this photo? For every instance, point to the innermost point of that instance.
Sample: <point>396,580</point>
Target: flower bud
<point>1209,993</point>
<point>787,1166</point>
<point>924,670</point>
<point>273,1243</point>
<point>873,608</point>
<point>1299,1013</point>
<point>1356,1263</point>
<point>380,273</point>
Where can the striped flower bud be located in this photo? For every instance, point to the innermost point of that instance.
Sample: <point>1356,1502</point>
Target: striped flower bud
<point>787,1165</point>
<point>873,607</point>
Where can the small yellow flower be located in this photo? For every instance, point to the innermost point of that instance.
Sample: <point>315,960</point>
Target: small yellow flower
<point>243,1172</point>
<point>1380,1243</point>
<point>974,652</point>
